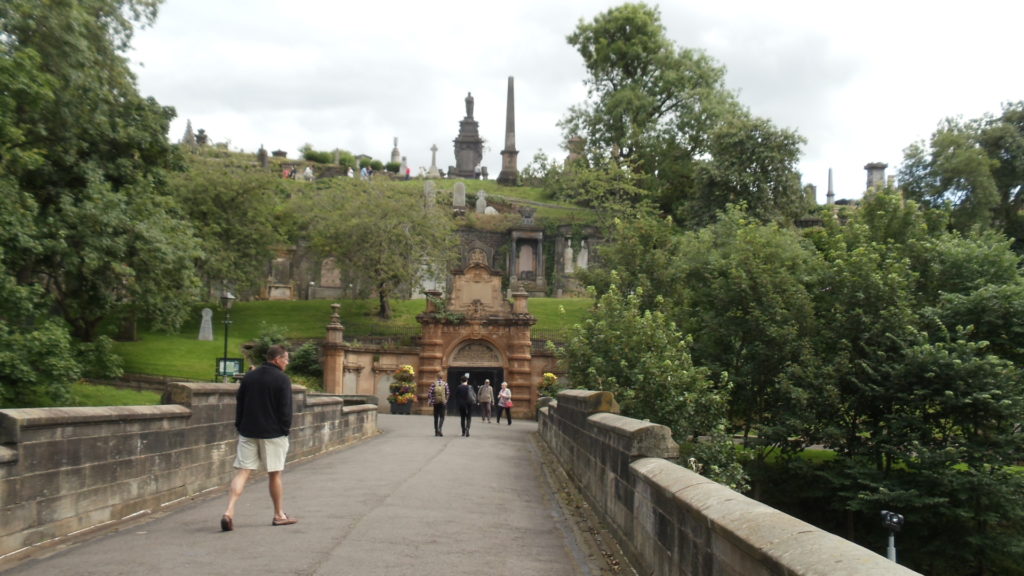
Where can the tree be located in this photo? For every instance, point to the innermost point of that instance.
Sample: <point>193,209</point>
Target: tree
<point>974,167</point>
<point>664,113</point>
<point>84,156</point>
<point>382,234</point>
<point>641,358</point>
<point>237,217</point>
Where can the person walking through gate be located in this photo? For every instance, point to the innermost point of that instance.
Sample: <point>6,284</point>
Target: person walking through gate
<point>505,403</point>
<point>486,398</point>
<point>263,418</point>
<point>438,398</point>
<point>465,398</point>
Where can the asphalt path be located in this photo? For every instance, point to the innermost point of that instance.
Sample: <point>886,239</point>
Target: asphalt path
<point>403,502</point>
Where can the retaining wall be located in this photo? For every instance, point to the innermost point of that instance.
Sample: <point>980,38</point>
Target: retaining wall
<point>674,522</point>
<point>67,470</point>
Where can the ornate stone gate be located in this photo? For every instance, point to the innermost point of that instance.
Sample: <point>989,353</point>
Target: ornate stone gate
<point>476,330</point>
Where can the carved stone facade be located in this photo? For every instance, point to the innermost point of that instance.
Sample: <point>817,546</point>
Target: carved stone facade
<point>476,331</point>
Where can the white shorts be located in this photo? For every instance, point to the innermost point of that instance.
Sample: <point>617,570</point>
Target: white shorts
<point>261,453</point>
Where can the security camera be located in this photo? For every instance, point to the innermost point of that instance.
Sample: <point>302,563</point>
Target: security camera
<point>892,520</point>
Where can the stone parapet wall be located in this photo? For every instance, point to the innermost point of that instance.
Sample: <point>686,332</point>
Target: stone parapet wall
<point>673,522</point>
<point>66,470</point>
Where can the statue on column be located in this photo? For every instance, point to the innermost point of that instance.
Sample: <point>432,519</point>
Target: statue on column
<point>469,105</point>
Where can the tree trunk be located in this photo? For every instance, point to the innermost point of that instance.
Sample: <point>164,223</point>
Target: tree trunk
<point>385,305</point>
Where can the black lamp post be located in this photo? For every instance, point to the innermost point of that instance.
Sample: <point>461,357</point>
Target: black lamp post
<point>226,300</point>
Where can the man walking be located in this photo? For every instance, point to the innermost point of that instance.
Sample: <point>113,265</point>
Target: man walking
<point>465,398</point>
<point>438,398</point>
<point>263,418</point>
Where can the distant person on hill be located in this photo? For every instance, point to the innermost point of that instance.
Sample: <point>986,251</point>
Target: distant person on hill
<point>438,398</point>
<point>505,403</point>
<point>486,398</point>
<point>263,418</point>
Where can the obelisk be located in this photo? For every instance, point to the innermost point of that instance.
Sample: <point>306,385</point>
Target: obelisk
<point>509,175</point>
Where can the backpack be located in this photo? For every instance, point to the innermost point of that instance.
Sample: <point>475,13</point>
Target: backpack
<point>440,393</point>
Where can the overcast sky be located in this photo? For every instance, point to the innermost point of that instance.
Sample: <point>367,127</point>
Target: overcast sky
<point>859,80</point>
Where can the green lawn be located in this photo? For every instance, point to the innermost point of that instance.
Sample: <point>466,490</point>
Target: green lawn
<point>182,355</point>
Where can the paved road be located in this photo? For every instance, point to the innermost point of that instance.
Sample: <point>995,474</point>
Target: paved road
<point>405,502</point>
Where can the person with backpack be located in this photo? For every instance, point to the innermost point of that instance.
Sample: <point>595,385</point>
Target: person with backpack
<point>438,398</point>
<point>465,398</point>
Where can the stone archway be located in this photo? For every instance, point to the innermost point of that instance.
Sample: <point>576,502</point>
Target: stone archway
<point>479,359</point>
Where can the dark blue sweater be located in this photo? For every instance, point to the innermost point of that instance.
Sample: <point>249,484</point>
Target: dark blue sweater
<point>264,403</point>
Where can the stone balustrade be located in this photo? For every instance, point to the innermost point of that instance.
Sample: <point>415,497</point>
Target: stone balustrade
<point>673,522</point>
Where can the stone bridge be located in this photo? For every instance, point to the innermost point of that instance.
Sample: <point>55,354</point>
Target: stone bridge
<point>579,491</point>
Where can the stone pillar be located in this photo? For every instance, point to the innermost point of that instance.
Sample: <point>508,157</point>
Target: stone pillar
<point>431,353</point>
<point>520,353</point>
<point>334,354</point>
<point>509,175</point>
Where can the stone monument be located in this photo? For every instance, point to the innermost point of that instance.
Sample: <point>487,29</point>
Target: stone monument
<point>206,326</point>
<point>469,147</point>
<point>509,175</point>
<point>433,172</point>
<point>396,156</point>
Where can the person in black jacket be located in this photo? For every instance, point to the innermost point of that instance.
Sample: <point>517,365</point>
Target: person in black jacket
<point>465,398</point>
<point>263,418</point>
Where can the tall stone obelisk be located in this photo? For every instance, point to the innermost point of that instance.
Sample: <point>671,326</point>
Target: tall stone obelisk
<point>509,175</point>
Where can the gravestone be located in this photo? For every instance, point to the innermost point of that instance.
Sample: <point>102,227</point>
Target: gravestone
<point>206,326</point>
<point>261,157</point>
<point>429,194</point>
<point>481,201</point>
<point>459,196</point>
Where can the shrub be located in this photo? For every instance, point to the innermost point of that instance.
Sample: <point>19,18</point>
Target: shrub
<point>305,361</point>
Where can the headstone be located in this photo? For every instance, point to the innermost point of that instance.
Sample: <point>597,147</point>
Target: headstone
<point>330,274</point>
<point>459,195</point>
<point>481,201</point>
<point>429,194</point>
<point>261,157</point>
<point>206,326</point>
<point>491,211</point>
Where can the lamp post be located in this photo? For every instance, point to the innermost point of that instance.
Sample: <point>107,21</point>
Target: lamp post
<point>226,300</point>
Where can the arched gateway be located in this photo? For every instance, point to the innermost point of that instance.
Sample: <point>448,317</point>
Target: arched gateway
<point>477,331</point>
